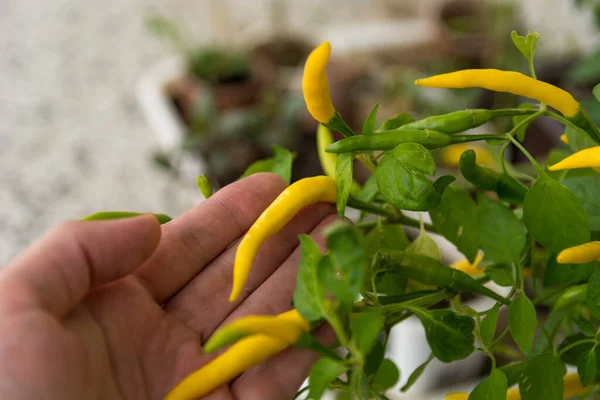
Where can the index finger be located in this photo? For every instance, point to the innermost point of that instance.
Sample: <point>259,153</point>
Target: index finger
<point>194,239</point>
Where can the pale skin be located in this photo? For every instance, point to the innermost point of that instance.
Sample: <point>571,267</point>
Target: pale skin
<point>119,309</point>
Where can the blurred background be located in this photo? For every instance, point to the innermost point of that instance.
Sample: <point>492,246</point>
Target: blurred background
<point>119,104</point>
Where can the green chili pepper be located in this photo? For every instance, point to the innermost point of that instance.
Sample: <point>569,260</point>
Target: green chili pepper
<point>108,215</point>
<point>507,187</point>
<point>389,139</point>
<point>461,121</point>
<point>573,295</point>
<point>430,271</point>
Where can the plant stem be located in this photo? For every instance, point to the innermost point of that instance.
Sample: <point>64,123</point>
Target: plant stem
<point>565,121</point>
<point>367,163</point>
<point>532,160</point>
<point>569,347</point>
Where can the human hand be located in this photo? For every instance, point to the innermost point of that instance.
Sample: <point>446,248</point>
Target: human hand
<point>119,309</point>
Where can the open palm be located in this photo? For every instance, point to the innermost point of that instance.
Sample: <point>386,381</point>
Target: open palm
<point>119,309</point>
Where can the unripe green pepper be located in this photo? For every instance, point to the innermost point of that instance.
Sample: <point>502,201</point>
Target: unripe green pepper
<point>574,294</point>
<point>389,139</point>
<point>507,187</point>
<point>430,271</point>
<point>460,121</point>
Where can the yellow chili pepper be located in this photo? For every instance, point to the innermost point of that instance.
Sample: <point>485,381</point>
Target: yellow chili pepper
<point>586,158</point>
<point>450,155</point>
<point>468,268</point>
<point>506,81</point>
<point>563,138</point>
<point>241,356</point>
<point>581,254</point>
<point>572,388</point>
<point>315,86</point>
<point>328,160</point>
<point>289,202</point>
<point>272,326</point>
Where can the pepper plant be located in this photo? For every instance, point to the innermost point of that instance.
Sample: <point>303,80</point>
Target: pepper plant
<point>533,234</point>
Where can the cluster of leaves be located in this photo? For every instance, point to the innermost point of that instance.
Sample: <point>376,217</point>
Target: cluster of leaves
<point>372,277</point>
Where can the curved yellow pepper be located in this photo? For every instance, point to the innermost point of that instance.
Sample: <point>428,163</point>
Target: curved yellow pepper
<point>272,326</point>
<point>328,160</point>
<point>586,158</point>
<point>506,81</point>
<point>581,254</point>
<point>241,356</point>
<point>572,388</point>
<point>289,202</point>
<point>315,85</point>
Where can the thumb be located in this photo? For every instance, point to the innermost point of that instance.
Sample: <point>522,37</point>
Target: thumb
<point>56,272</point>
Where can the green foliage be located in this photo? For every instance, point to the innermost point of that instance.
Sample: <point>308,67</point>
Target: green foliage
<point>204,186</point>
<point>522,321</point>
<point>554,216</point>
<point>343,179</point>
<point>280,164</point>
<point>491,388</point>
<point>456,218</point>
<point>402,178</point>
<point>374,275</point>
<point>542,378</point>
<point>501,233</point>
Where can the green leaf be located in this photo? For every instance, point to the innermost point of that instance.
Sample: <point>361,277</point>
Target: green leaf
<point>487,328</point>
<point>386,237</point>
<point>520,133</point>
<point>309,296</point>
<point>593,294</point>
<point>387,375</point>
<point>586,366</point>
<point>543,378</point>
<point>343,180</point>
<point>501,233</point>
<point>522,321</point>
<point>526,45</point>
<point>554,216</point>
<point>501,274</point>
<point>578,140</point>
<point>348,254</point>
<point>264,165</point>
<point>109,215</point>
<point>513,371</point>
<point>557,274</point>
<point>282,165</point>
<point>450,336</point>
<point>369,190</point>
<point>573,355</point>
<point>365,328</point>
<point>324,371</point>
<point>456,218</point>
<point>414,377</point>
<point>587,190</point>
<point>386,276</point>
<point>374,358</point>
<point>401,177</point>
<point>369,125</point>
<point>424,245</point>
<point>596,92</point>
<point>493,387</point>
<point>204,186</point>
<point>396,122</point>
